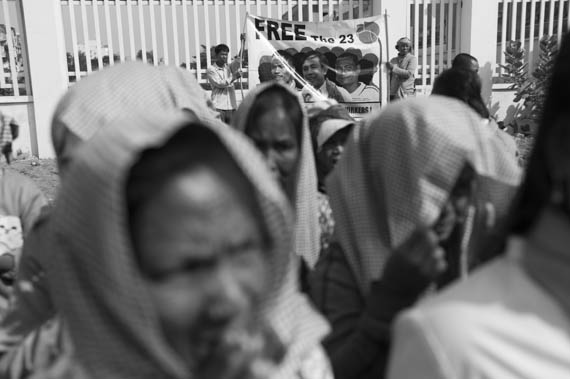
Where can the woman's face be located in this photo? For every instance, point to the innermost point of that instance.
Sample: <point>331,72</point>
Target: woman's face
<point>274,134</point>
<point>202,254</point>
<point>332,150</point>
<point>280,72</point>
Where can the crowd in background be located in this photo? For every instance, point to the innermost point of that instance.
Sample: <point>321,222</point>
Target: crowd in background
<point>194,238</point>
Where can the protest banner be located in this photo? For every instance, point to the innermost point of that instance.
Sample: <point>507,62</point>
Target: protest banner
<point>341,60</point>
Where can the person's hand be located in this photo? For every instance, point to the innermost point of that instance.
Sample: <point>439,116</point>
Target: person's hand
<point>422,250</point>
<point>389,66</point>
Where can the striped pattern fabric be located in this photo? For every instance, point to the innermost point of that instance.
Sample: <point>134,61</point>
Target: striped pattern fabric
<point>128,87</point>
<point>307,230</point>
<point>95,280</point>
<point>397,172</point>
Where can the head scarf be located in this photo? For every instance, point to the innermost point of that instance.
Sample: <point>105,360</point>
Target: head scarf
<point>305,200</point>
<point>126,88</point>
<point>93,273</point>
<point>398,170</point>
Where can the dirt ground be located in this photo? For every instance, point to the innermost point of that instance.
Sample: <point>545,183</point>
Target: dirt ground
<point>42,171</point>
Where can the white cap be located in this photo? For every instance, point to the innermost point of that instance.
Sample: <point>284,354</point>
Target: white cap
<point>330,127</point>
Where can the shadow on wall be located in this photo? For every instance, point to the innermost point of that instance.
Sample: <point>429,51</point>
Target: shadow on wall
<point>486,75</point>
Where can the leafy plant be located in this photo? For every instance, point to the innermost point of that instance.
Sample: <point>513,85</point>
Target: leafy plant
<point>531,91</point>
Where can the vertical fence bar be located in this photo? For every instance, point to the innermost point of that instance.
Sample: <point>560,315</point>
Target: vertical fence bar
<point>186,33</point>
<point>513,35</point>
<point>228,24</point>
<point>197,39</point>
<point>531,39</point>
<point>85,27</point>
<point>258,7</point>
<point>268,4</point>
<point>541,18</point>
<point>360,8</point>
<point>310,10</point>
<point>504,35</point>
<point>449,31</point>
<point>331,10</point>
<point>74,41</point>
<point>441,32</point>
<point>280,9</point>
<point>351,9</point>
<point>207,28</point>
<point>239,23</point>
<point>132,47</point>
<point>142,29</point>
<point>424,43</point>
<point>416,26</point>
<point>523,22</point>
<point>560,19</point>
<point>97,33</point>
<point>164,32</point>
<point>109,32</point>
<point>11,50</point>
<point>175,32</point>
<point>433,28</point>
<point>551,18</point>
<point>119,20</point>
<point>458,25</point>
<point>299,9</point>
<point>217,22</point>
<point>153,35</point>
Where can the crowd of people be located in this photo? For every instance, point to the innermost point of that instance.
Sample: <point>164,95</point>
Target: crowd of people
<point>194,238</point>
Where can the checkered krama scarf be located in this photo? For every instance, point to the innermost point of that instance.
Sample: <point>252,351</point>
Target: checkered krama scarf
<point>126,88</point>
<point>307,232</point>
<point>93,274</point>
<point>398,170</point>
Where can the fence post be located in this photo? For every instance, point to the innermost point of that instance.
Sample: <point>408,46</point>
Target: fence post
<point>47,63</point>
<point>479,38</point>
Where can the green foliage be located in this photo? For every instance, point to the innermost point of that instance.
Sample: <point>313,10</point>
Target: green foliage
<point>531,91</point>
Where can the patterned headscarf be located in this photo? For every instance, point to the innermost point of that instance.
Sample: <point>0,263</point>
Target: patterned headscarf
<point>96,281</point>
<point>307,234</point>
<point>398,170</point>
<point>123,88</point>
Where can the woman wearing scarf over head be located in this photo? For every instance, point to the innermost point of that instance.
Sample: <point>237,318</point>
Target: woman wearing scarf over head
<point>404,196</point>
<point>273,117</point>
<point>90,104</point>
<point>511,318</point>
<point>177,241</point>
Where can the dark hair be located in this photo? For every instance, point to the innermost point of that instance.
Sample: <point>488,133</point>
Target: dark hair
<point>464,61</point>
<point>550,151</point>
<point>350,56</point>
<point>156,166</point>
<point>273,97</point>
<point>221,47</point>
<point>286,56</point>
<point>322,58</point>
<point>463,85</point>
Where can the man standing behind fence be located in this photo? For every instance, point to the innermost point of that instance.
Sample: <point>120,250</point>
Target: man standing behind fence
<point>222,79</point>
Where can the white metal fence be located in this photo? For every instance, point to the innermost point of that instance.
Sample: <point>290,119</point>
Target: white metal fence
<point>527,21</point>
<point>14,81</point>
<point>177,32</point>
<point>435,29</point>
